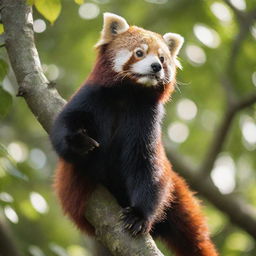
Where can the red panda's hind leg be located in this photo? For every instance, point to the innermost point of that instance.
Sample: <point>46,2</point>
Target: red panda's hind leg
<point>184,228</point>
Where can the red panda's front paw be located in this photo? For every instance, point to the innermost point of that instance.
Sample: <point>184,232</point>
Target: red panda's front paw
<point>81,143</point>
<point>134,223</point>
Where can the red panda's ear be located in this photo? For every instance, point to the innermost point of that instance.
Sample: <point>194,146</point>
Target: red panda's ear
<point>174,42</point>
<point>112,26</point>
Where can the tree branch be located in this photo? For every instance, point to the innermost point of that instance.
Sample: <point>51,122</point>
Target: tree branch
<point>222,131</point>
<point>239,213</point>
<point>45,103</point>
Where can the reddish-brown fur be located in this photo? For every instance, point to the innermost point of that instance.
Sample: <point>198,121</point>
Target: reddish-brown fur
<point>73,192</point>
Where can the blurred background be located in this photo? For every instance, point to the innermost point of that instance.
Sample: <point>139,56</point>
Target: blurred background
<point>219,71</point>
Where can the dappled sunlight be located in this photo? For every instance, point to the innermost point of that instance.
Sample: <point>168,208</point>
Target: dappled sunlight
<point>254,78</point>
<point>186,109</point>
<point>58,250</point>
<point>239,241</point>
<point>239,4</point>
<point>11,214</point>
<point>39,26</point>
<point>35,251</point>
<point>6,197</point>
<point>37,158</point>
<point>18,151</point>
<point>248,128</point>
<point>52,71</point>
<point>223,174</point>
<point>178,132</point>
<point>38,203</point>
<point>89,11</point>
<point>221,11</point>
<point>206,35</point>
<point>195,54</point>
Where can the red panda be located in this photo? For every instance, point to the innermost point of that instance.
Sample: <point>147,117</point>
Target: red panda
<point>110,133</point>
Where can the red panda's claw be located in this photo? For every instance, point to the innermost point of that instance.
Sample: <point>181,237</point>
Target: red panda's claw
<point>134,223</point>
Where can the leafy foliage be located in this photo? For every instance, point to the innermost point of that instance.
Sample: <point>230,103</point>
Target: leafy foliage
<point>50,9</point>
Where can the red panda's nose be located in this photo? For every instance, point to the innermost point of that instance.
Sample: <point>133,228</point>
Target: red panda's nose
<point>156,67</point>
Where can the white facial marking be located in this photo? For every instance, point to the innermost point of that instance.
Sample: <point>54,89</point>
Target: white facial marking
<point>147,81</point>
<point>120,59</point>
<point>171,71</point>
<point>160,51</point>
<point>143,66</point>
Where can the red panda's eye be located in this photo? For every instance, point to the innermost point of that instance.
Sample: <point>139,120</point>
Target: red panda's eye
<point>139,53</point>
<point>162,59</point>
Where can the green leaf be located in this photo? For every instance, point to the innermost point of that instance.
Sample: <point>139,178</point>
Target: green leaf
<point>79,1</point>
<point>3,69</point>
<point>5,102</point>
<point>50,9</point>
<point>1,29</point>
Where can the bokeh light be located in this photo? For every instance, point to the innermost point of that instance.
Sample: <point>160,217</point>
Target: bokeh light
<point>37,158</point>
<point>58,250</point>
<point>89,11</point>
<point>178,132</point>
<point>18,151</point>
<point>221,11</point>
<point>51,71</point>
<point>11,215</point>
<point>186,109</point>
<point>35,251</point>
<point>239,241</point>
<point>38,203</point>
<point>157,1</point>
<point>239,4</point>
<point>39,26</point>
<point>254,78</point>
<point>206,35</point>
<point>223,174</point>
<point>195,54</point>
<point>248,128</point>
<point>6,197</point>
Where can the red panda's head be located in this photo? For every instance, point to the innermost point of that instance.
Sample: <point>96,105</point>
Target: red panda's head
<point>145,57</point>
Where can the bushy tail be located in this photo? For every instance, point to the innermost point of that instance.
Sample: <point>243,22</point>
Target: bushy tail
<point>185,230</point>
<point>73,189</point>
